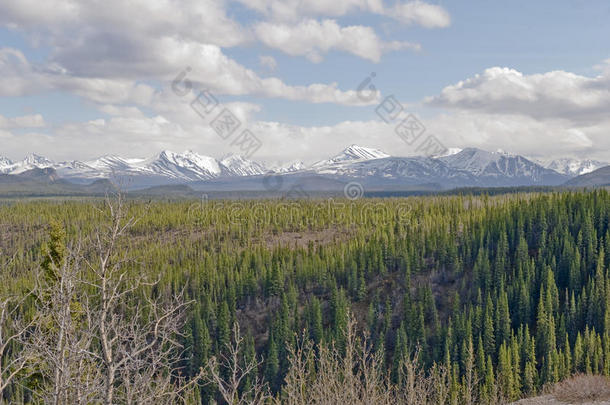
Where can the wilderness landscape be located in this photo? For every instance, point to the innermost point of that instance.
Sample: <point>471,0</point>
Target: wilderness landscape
<point>456,299</point>
<point>304,202</point>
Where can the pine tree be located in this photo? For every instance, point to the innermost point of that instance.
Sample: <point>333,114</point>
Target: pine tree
<point>54,251</point>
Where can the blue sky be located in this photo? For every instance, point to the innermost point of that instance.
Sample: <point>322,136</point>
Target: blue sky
<point>79,80</point>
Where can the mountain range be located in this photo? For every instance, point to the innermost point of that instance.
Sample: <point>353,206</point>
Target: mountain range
<point>374,169</point>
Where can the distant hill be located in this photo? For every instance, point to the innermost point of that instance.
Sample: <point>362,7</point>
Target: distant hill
<point>46,182</point>
<point>598,178</point>
<point>177,190</point>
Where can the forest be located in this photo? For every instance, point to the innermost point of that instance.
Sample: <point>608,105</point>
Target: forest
<point>466,299</point>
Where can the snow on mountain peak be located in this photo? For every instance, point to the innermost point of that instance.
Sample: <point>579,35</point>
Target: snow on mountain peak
<point>237,165</point>
<point>353,153</point>
<point>574,167</point>
<point>289,168</point>
<point>37,160</point>
<point>471,159</point>
<point>31,161</point>
<point>451,151</point>
<point>187,165</point>
<point>495,164</point>
<point>352,161</point>
<point>109,163</point>
<point>5,164</point>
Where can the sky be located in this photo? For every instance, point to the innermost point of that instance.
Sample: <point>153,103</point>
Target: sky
<point>299,80</point>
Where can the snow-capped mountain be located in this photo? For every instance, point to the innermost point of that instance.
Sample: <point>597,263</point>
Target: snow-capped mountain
<point>110,163</point>
<point>235,165</point>
<point>289,168</point>
<point>31,161</point>
<point>351,154</point>
<point>500,164</point>
<point>183,166</point>
<point>460,168</point>
<point>408,170</point>
<point>472,160</point>
<point>5,165</point>
<point>574,167</point>
<point>466,168</point>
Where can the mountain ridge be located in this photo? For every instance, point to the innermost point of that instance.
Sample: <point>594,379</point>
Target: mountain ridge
<point>469,167</point>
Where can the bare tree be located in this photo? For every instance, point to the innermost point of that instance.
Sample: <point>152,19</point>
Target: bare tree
<point>59,338</point>
<point>357,376</point>
<point>13,326</point>
<point>134,334</point>
<point>149,370</point>
<point>470,379</point>
<point>229,388</point>
<point>299,376</point>
<point>354,377</point>
<point>103,336</point>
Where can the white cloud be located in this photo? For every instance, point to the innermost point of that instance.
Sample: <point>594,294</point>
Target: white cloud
<point>177,127</point>
<point>552,114</point>
<point>552,95</point>
<point>136,43</point>
<point>420,13</point>
<point>210,68</point>
<point>25,121</point>
<point>408,12</point>
<point>121,111</point>
<point>521,134</point>
<point>296,9</point>
<point>313,39</point>
<point>17,14</point>
<point>267,62</point>
<point>215,71</point>
<point>199,20</point>
<point>146,136</point>
<point>18,77</point>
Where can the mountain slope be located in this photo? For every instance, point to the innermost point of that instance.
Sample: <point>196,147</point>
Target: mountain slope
<point>43,182</point>
<point>352,153</point>
<point>598,178</point>
<point>235,165</point>
<point>183,166</point>
<point>503,168</point>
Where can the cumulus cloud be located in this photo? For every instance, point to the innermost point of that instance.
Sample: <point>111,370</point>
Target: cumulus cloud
<point>313,39</point>
<point>214,70</point>
<point>552,95</point>
<point>410,12</point>
<point>420,13</point>
<point>25,121</point>
<point>295,9</point>
<point>137,43</point>
<point>18,77</point>
<point>209,67</point>
<point>551,114</point>
<point>199,20</point>
<point>521,134</point>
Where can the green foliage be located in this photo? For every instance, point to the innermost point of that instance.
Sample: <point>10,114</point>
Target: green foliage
<point>522,279</point>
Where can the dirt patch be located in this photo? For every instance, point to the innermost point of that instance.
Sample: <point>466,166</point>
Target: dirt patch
<point>580,389</point>
<point>302,239</point>
<point>550,400</point>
